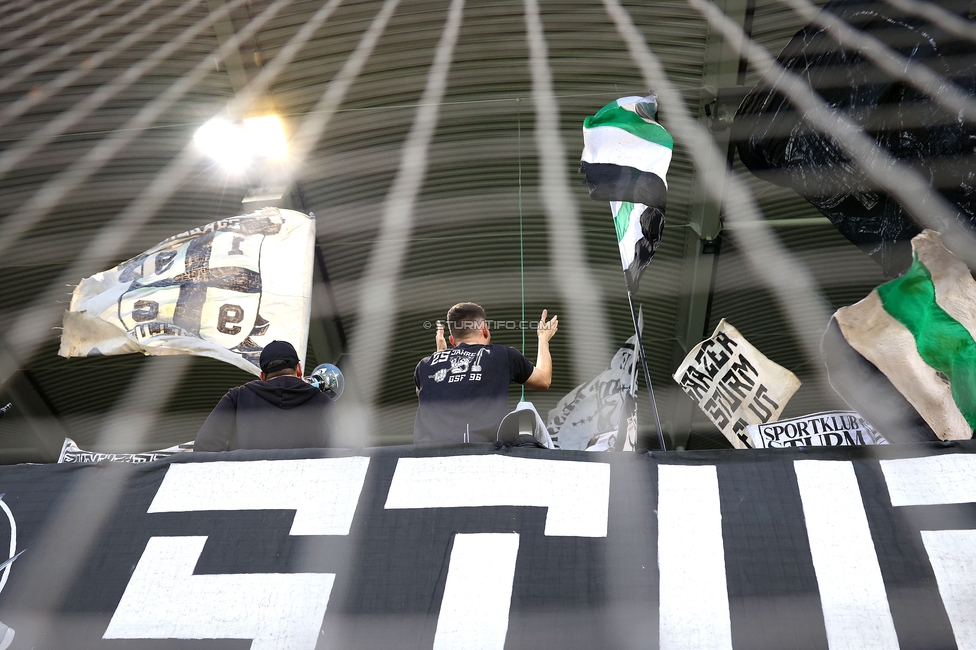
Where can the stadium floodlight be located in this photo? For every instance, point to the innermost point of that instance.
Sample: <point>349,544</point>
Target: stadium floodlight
<point>235,146</point>
<point>223,141</point>
<point>266,136</point>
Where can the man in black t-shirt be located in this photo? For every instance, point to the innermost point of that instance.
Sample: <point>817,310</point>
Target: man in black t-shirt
<point>463,390</point>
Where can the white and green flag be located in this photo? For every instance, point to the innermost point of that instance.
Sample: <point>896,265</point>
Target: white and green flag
<point>919,331</point>
<point>620,134</point>
<point>626,155</point>
<point>627,221</point>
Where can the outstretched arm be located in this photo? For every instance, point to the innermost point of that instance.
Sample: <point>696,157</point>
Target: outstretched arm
<point>541,376</point>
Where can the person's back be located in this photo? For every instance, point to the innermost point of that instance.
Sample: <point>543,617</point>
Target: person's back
<point>463,391</point>
<point>278,412</point>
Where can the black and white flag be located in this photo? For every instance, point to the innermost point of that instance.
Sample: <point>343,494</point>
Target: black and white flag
<point>223,291</point>
<point>72,453</point>
<point>593,414</point>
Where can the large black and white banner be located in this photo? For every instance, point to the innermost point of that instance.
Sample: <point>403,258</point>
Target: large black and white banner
<point>223,290</point>
<point>472,547</point>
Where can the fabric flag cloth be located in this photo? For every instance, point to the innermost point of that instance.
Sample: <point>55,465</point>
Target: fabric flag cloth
<point>625,437</point>
<point>626,155</point>
<point>918,331</point>
<point>71,453</point>
<point>777,143</point>
<point>595,410</point>
<point>735,384</point>
<point>827,429</point>
<point>222,290</point>
<point>640,229</point>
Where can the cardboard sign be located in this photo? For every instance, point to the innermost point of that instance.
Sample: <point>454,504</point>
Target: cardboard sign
<point>735,384</point>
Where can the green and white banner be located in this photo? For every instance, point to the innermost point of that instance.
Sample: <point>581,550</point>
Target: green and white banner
<point>626,155</point>
<point>626,220</point>
<point>617,135</point>
<point>919,331</point>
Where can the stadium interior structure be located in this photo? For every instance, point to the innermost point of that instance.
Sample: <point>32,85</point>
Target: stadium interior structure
<point>100,101</point>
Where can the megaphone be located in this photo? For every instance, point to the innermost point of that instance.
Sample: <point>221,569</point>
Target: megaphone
<point>328,379</point>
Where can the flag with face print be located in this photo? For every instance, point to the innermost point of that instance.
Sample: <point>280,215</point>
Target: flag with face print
<point>222,290</point>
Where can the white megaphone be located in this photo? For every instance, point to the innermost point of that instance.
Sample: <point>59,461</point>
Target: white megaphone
<point>328,379</point>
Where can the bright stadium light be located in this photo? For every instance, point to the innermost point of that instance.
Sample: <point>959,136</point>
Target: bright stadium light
<point>235,146</point>
<point>223,142</point>
<point>266,136</point>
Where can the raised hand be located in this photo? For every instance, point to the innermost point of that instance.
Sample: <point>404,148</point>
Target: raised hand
<point>547,329</point>
<point>439,339</point>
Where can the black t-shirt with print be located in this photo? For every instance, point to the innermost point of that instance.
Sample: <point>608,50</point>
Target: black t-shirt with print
<point>463,392</point>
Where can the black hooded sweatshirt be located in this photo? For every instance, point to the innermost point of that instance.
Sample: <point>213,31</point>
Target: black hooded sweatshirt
<point>281,413</point>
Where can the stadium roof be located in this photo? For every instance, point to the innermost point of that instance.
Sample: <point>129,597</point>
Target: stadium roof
<point>99,102</point>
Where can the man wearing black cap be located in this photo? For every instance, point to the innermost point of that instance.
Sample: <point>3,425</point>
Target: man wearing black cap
<point>281,411</point>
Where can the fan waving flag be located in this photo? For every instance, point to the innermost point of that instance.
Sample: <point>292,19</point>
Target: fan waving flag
<point>223,291</point>
<point>918,330</point>
<point>626,155</point>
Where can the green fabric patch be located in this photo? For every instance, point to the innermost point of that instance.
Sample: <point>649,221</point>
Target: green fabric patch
<point>612,105</point>
<point>621,220</point>
<point>621,118</point>
<point>942,342</point>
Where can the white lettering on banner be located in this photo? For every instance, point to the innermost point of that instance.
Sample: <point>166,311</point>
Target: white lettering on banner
<point>323,492</point>
<point>577,494</point>
<point>852,591</point>
<point>694,595</point>
<point>951,555</point>
<point>164,600</point>
<point>940,480</point>
<point>478,593</point>
<point>935,480</point>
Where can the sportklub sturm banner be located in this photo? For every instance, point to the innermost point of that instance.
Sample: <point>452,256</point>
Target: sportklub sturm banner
<point>466,546</point>
<point>223,290</point>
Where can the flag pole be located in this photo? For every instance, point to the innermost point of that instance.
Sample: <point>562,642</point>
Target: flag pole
<point>647,375</point>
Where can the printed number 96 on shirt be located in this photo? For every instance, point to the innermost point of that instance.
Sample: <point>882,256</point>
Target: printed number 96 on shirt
<point>471,377</point>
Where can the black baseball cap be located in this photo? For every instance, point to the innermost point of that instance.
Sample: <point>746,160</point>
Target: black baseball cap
<point>278,355</point>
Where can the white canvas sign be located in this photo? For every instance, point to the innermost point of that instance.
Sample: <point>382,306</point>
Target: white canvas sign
<point>827,429</point>
<point>735,384</point>
<point>223,290</point>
